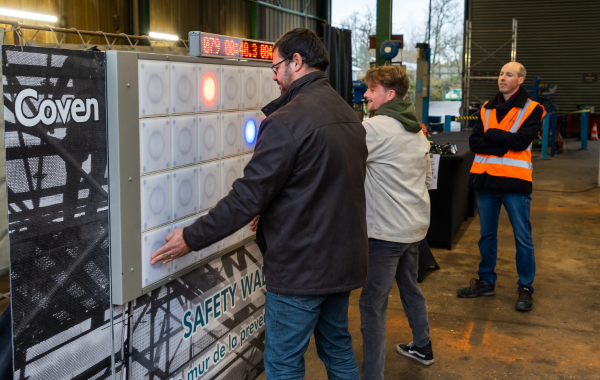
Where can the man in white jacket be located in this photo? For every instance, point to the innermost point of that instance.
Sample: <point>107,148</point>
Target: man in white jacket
<point>398,176</point>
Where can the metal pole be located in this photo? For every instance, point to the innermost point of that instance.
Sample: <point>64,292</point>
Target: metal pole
<point>448,123</point>
<point>426,98</point>
<point>513,49</point>
<point>583,129</point>
<point>553,122</point>
<point>144,17</point>
<point>544,155</point>
<point>468,71</point>
<point>254,20</point>
<point>384,27</point>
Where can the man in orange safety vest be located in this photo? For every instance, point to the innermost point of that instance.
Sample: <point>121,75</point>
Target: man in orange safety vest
<point>502,175</point>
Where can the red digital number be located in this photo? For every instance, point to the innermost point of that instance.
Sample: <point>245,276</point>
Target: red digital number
<point>254,50</point>
<point>250,49</point>
<point>245,49</point>
<point>211,45</point>
<point>266,51</point>
<point>232,48</point>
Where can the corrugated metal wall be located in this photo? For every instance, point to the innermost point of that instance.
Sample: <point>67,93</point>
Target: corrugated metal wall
<point>273,23</point>
<point>557,40</point>
<point>227,17</point>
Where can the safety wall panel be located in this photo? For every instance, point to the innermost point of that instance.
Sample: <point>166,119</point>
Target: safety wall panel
<point>56,179</point>
<point>557,40</point>
<point>196,120</point>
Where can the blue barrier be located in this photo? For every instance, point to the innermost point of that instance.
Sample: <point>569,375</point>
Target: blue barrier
<point>545,128</point>
<point>583,129</point>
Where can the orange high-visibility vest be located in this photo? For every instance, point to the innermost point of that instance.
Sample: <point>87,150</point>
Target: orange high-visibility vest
<point>515,163</point>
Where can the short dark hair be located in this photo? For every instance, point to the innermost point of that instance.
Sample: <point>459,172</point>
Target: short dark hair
<point>306,43</point>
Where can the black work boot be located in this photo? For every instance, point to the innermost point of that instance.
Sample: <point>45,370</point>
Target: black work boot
<point>525,301</point>
<point>478,288</point>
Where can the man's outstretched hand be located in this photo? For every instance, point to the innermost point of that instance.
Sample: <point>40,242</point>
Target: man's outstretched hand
<point>174,248</point>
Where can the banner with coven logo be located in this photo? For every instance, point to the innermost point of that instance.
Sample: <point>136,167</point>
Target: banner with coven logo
<point>207,324</point>
<point>56,166</point>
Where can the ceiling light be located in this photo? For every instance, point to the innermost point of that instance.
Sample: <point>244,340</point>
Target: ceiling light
<point>164,36</point>
<point>27,15</point>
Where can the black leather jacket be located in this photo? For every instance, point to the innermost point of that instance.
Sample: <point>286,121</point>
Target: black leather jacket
<point>306,181</point>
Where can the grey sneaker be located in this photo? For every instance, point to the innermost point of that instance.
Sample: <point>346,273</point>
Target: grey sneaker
<point>478,288</point>
<point>422,355</point>
<point>525,301</point>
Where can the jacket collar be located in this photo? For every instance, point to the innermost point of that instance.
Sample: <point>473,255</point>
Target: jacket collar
<point>294,88</point>
<point>519,101</point>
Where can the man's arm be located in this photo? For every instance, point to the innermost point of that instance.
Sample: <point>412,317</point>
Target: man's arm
<point>265,175</point>
<point>373,139</point>
<point>479,144</point>
<point>524,136</point>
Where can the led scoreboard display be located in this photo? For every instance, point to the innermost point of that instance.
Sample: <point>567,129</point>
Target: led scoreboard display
<point>214,45</point>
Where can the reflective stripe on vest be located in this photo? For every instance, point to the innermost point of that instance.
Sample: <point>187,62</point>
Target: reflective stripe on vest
<point>514,164</point>
<point>503,161</point>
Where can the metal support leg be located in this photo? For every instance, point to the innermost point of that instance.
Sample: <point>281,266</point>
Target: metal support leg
<point>448,123</point>
<point>545,127</point>
<point>553,139</point>
<point>583,129</point>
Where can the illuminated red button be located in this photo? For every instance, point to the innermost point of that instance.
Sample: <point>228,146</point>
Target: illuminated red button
<point>209,89</point>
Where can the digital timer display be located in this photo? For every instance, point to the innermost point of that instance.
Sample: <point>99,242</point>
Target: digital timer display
<point>221,46</point>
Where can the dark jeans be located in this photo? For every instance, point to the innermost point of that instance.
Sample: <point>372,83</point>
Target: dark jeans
<point>518,207</point>
<point>389,260</point>
<point>291,320</point>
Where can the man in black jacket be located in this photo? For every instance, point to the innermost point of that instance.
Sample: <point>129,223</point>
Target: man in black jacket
<point>502,175</point>
<point>306,181</point>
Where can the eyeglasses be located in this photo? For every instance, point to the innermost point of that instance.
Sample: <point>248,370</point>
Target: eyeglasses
<point>277,64</point>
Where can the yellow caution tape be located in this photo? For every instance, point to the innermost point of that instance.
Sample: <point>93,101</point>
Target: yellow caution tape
<point>466,118</point>
<point>581,111</point>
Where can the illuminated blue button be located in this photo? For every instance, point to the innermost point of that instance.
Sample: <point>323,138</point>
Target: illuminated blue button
<point>250,131</point>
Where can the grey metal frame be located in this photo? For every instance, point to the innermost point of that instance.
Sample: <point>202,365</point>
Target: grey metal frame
<point>467,58</point>
<point>124,173</point>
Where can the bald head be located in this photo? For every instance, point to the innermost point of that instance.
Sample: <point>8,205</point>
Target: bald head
<point>517,68</point>
<point>511,77</point>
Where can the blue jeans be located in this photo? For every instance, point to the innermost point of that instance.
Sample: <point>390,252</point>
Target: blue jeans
<point>389,260</point>
<point>290,322</point>
<point>518,207</point>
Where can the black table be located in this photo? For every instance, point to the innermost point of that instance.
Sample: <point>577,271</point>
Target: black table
<point>426,260</point>
<point>450,201</point>
<point>454,137</point>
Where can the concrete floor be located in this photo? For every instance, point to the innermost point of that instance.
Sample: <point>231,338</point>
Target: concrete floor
<point>485,338</point>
